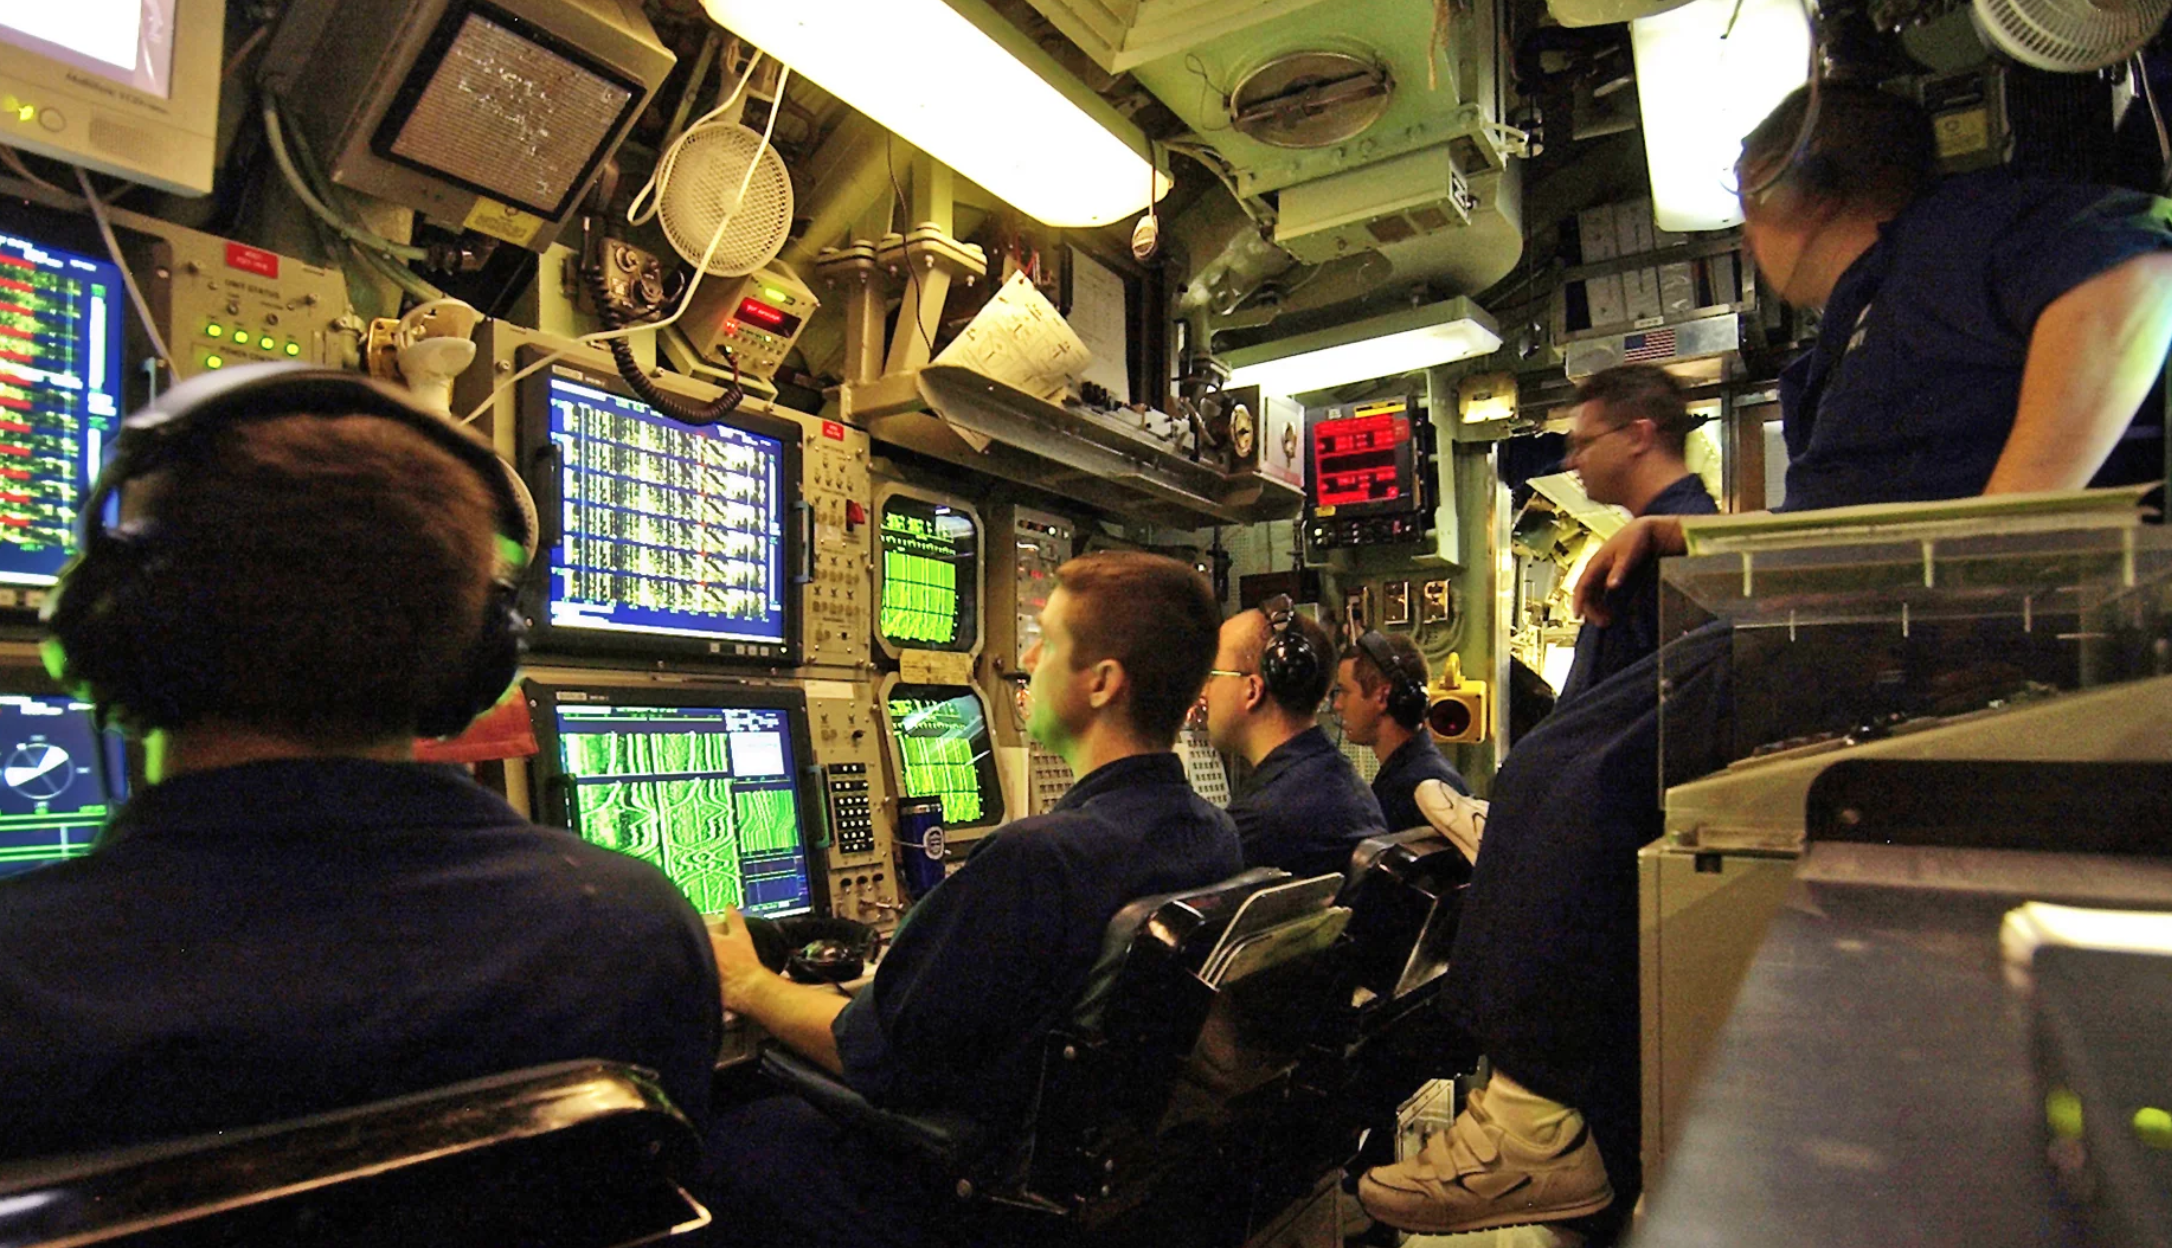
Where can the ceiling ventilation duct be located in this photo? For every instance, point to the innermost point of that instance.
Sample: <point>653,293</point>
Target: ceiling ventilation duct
<point>1311,99</point>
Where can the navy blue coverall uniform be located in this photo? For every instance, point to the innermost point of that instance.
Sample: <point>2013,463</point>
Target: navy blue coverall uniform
<point>1909,394</point>
<point>1413,763</point>
<point>1304,809</point>
<point>277,939</point>
<point>980,971</point>
<point>1604,649</point>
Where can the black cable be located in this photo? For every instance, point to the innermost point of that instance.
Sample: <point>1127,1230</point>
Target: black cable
<point>904,211</point>
<point>643,385</point>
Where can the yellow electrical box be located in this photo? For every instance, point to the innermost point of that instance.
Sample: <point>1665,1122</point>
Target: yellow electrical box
<point>1457,711</point>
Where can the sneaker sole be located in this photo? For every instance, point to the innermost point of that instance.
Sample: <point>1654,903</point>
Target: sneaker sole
<point>1520,1217</point>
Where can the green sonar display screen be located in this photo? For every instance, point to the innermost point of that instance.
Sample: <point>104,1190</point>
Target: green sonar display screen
<point>941,736</point>
<point>930,575</point>
<point>705,793</point>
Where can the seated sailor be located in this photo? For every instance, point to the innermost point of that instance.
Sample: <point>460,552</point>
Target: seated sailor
<point>295,917</point>
<point>996,955</point>
<point>1380,692</point>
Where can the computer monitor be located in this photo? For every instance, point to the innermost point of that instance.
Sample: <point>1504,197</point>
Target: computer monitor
<point>662,538</point>
<point>940,747</point>
<point>1365,460</point>
<point>53,800</point>
<point>927,573</point>
<point>704,783</point>
<point>60,398</point>
<point>127,87</point>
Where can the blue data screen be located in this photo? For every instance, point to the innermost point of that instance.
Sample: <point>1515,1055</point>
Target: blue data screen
<point>669,529</point>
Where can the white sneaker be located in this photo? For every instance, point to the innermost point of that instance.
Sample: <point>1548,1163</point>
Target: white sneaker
<point>1476,1175</point>
<point>1461,819</point>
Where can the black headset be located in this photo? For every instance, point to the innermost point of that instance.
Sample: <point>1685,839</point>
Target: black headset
<point>1290,663</point>
<point>95,615</point>
<point>1407,697</point>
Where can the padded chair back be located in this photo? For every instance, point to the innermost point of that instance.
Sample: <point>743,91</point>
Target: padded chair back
<point>1405,893</point>
<point>574,1155</point>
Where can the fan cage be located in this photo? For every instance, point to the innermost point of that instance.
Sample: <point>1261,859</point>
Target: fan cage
<point>704,178</point>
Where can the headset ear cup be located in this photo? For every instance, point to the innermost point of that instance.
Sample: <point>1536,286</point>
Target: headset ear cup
<point>493,664</point>
<point>94,620</point>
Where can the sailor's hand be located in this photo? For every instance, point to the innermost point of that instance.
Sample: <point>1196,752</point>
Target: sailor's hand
<point>1642,539</point>
<point>739,969</point>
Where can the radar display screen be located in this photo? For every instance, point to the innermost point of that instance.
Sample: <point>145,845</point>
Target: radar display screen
<point>60,406</point>
<point>707,793</point>
<point>668,531</point>
<point>940,737</point>
<point>930,575</point>
<point>52,802</point>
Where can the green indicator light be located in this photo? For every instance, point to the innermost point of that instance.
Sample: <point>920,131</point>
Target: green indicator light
<point>214,330</point>
<point>2063,1112</point>
<point>294,348</point>
<point>774,295</point>
<point>26,112</point>
<point>2153,1127</point>
<point>214,361</point>
<point>268,343</point>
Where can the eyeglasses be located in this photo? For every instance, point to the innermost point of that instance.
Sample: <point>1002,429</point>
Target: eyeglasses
<point>1577,446</point>
<point>1212,672</point>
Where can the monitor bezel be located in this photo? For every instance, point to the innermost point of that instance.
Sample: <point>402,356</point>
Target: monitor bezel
<point>892,489</point>
<point>959,833</point>
<point>423,68</point>
<point>553,788</point>
<point>531,405</point>
<point>186,120</point>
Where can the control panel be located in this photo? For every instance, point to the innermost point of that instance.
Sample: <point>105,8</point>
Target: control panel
<point>848,749</point>
<point>1203,765</point>
<point>839,599</point>
<point>220,303</point>
<point>1048,778</point>
<point>852,815</point>
<point>752,321</point>
<point>1370,479</point>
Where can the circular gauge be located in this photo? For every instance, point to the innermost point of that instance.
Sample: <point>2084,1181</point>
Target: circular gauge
<point>1243,431</point>
<point>39,770</point>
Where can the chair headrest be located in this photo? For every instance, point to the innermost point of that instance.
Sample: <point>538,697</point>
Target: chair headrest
<point>1178,917</point>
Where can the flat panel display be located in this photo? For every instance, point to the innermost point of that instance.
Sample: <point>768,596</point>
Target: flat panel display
<point>502,107</point>
<point>1365,462</point>
<point>707,790</point>
<point>60,397</point>
<point>930,575</point>
<point>939,741</point>
<point>52,801</point>
<point>671,538</point>
<point>129,42</point>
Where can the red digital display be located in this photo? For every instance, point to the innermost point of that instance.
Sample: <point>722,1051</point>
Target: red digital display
<point>1361,459</point>
<point>775,320</point>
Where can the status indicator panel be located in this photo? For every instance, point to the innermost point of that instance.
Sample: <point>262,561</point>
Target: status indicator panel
<point>930,575</point>
<point>52,802</point>
<point>706,794</point>
<point>1363,460</point>
<point>60,385</point>
<point>669,530</point>
<point>941,737</point>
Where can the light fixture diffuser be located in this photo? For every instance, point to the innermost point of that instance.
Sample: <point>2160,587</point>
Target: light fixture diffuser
<point>1380,346</point>
<point>1700,88</point>
<point>955,80</point>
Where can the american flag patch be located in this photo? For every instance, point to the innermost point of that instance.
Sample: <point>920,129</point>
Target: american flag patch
<point>1643,348</point>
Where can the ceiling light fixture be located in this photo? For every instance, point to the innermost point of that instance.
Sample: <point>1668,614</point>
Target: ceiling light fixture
<point>1701,86</point>
<point>955,80</point>
<point>1380,346</point>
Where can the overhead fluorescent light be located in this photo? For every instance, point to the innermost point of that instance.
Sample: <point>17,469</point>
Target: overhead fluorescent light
<point>955,80</point>
<point>1700,88</point>
<point>1382,346</point>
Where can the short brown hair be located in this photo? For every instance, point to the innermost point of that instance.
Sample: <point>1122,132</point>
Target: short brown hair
<point>1402,651</point>
<point>326,578</point>
<point>1868,150</point>
<point>1630,392</point>
<point>1155,616</point>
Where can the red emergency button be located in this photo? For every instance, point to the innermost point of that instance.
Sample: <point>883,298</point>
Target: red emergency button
<point>855,515</point>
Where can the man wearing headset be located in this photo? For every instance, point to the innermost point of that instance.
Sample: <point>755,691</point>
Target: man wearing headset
<point>1303,808</point>
<point>986,964</point>
<point>1380,692</point>
<point>295,917</point>
<point>1980,335</point>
